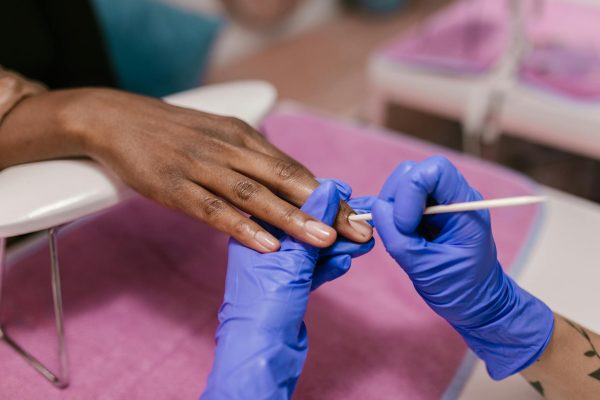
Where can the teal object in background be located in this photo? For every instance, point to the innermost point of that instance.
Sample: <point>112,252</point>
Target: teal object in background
<point>155,48</point>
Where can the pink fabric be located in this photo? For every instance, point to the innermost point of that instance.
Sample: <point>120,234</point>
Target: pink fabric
<point>565,56</point>
<point>470,37</point>
<point>143,284</point>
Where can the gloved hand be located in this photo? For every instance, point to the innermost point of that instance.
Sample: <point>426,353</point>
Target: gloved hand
<point>451,260</point>
<point>262,339</point>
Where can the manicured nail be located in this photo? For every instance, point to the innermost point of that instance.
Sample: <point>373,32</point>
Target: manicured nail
<point>319,231</point>
<point>267,241</point>
<point>362,227</point>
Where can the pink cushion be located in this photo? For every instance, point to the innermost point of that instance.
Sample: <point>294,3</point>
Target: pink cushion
<point>565,55</point>
<point>470,37</point>
<point>143,284</point>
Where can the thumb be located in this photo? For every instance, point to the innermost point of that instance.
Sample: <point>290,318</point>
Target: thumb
<point>399,245</point>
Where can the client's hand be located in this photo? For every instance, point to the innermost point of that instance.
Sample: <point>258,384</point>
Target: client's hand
<point>261,339</point>
<point>451,260</point>
<point>206,165</point>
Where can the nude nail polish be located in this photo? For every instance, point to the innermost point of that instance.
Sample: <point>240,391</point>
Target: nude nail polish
<point>266,241</point>
<point>319,230</point>
<point>362,227</point>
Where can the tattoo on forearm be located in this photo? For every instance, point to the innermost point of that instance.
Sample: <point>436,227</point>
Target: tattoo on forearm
<point>590,353</point>
<point>537,385</point>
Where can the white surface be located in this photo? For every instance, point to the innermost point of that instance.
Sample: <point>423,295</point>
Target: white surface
<point>248,100</point>
<point>436,93</point>
<point>553,121</point>
<point>564,271</point>
<point>41,195</point>
<point>527,112</point>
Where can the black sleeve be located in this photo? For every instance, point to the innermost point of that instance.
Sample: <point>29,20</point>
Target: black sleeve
<point>57,42</point>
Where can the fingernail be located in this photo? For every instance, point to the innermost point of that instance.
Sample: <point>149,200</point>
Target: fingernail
<point>266,240</point>
<point>319,230</point>
<point>362,227</point>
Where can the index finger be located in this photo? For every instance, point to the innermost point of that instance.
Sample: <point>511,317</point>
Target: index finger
<point>293,182</point>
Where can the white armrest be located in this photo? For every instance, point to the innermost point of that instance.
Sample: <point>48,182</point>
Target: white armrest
<point>41,195</point>
<point>247,100</point>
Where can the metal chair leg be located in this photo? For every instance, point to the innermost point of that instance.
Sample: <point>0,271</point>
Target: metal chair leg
<point>60,379</point>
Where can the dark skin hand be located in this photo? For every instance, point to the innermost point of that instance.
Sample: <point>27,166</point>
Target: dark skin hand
<point>205,165</point>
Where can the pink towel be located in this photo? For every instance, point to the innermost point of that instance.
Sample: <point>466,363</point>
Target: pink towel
<point>143,283</point>
<point>470,37</point>
<point>565,54</point>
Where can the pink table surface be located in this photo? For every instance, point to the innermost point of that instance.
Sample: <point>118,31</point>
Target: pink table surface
<point>142,285</point>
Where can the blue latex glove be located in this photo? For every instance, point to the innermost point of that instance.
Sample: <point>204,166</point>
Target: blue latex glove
<point>451,260</point>
<point>335,261</point>
<point>262,339</point>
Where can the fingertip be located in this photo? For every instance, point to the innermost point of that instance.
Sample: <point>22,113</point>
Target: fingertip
<point>363,205</point>
<point>320,234</point>
<point>356,233</point>
<point>252,244</point>
<point>439,160</point>
<point>363,228</point>
<point>405,166</point>
<point>345,263</point>
<point>266,242</point>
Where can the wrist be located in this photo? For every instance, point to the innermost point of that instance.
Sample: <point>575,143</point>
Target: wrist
<point>515,337</point>
<point>79,119</point>
<point>41,127</point>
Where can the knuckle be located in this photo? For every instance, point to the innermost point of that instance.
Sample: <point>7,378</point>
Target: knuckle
<point>241,228</point>
<point>10,83</point>
<point>212,207</point>
<point>287,170</point>
<point>170,172</point>
<point>211,145</point>
<point>171,182</point>
<point>416,179</point>
<point>246,190</point>
<point>290,215</point>
<point>237,124</point>
<point>406,166</point>
<point>441,161</point>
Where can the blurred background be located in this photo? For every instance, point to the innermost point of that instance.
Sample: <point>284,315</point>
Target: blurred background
<point>514,82</point>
